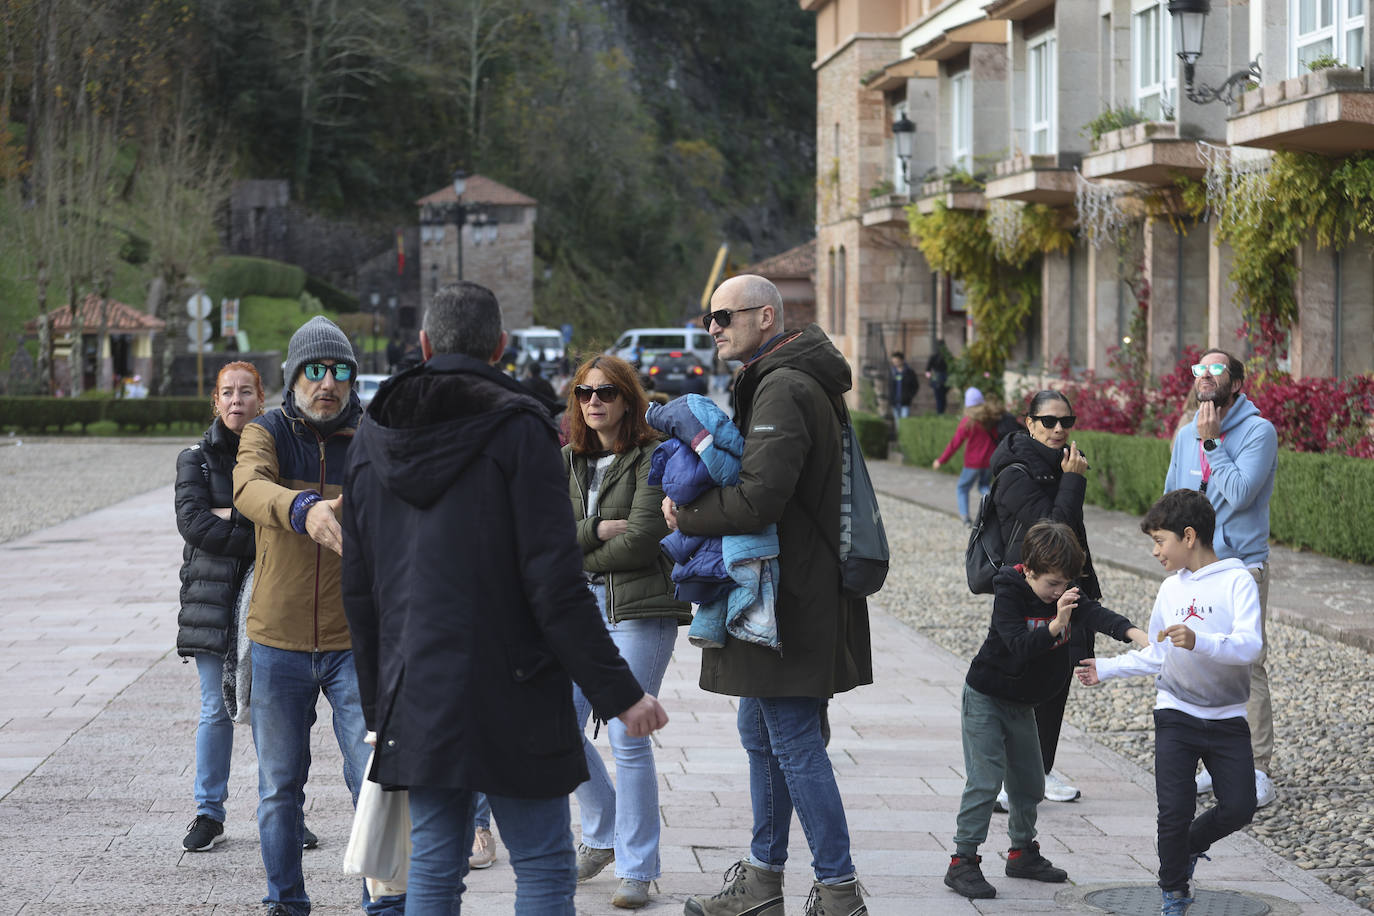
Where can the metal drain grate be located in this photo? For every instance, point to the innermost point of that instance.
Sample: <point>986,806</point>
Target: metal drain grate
<point>1144,901</point>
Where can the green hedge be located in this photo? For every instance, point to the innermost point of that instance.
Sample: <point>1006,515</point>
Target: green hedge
<point>236,277</point>
<point>1320,503</point>
<point>39,414</point>
<point>330,296</point>
<point>872,432</point>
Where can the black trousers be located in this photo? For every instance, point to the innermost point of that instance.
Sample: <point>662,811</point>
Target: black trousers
<point>1223,745</point>
<point>1049,720</point>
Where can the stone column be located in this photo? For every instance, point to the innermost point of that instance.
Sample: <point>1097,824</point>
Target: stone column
<point>1161,272</point>
<point>1224,320</point>
<point>1313,351</point>
<point>1056,294</point>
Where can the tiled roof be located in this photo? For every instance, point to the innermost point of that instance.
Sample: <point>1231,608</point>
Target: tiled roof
<point>120,318</point>
<point>480,190</point>
<point>794,262</point>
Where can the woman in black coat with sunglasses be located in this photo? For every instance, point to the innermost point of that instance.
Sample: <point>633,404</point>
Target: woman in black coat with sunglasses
<point>1039,474</point>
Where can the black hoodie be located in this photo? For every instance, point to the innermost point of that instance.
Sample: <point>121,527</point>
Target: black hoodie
<point>1019,660</point>
<point>464,590</point>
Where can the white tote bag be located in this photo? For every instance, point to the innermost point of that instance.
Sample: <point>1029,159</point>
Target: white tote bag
<point>379,844</point>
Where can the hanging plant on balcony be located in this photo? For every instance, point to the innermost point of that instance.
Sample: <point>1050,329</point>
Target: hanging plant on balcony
<point>997,271</point>
<point>1266,213</point>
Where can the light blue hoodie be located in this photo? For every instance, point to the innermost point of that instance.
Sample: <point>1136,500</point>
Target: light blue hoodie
<point>1241,483</point>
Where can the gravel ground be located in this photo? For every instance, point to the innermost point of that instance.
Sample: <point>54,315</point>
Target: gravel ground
<point>1323,820</point>
<point>1324,717</point>
<point>46,480</point>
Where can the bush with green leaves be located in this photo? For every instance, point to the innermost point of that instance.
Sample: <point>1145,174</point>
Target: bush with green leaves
<point>330,296</point>
<point>236,277</point>
<point>42,414</point>
<point>872,432</point>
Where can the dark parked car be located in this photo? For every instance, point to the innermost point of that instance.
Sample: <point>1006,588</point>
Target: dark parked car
<point>676,372</point>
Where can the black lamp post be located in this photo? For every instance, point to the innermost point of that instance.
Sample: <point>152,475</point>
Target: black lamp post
<point>448,214</point>
<point>904,133</point>
<point>1190,21</point>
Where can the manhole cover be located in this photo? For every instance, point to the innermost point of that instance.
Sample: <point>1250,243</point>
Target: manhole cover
<point>1144,901</point>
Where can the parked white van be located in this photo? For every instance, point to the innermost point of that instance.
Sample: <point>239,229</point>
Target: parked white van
<point>637,341</point>
<point>541,345</point>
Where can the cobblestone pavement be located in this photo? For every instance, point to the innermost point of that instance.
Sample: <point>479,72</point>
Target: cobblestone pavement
<point>97,720</point>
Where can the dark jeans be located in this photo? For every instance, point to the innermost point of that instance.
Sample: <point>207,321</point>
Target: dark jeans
<point>1049,721</point>
<point>1223,745</point>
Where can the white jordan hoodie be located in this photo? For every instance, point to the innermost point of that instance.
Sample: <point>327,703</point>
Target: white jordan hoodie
<point>1220,603</point>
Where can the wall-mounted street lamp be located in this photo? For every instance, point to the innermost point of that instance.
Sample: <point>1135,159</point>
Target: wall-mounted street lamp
<point>1190,21</point>
<point>904,133</point>
<point>439,215</point>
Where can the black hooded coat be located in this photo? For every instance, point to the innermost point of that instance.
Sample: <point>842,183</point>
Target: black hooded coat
<point>464,591</point>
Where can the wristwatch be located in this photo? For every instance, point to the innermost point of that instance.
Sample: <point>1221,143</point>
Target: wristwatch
<point>1211,444</point>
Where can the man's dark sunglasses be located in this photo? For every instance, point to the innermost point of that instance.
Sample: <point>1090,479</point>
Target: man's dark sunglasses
<point>1049,422</point>
<point>315,371</point>
<point>608,394</point>
<point>722,316</point>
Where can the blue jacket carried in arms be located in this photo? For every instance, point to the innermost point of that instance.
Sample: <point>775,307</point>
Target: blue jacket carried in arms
<point>705,452</point>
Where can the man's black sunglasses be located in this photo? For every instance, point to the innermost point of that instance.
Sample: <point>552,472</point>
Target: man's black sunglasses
<point>722,316</point>
<point>315,371</point>
<point>1049,422</point>
<point>608,394</point>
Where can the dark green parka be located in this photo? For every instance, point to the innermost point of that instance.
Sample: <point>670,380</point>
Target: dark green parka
<point>790,474</point>
<point>638,574</point>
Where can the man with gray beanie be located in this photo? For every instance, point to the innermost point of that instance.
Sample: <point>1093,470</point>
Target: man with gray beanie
<point>289,482</point>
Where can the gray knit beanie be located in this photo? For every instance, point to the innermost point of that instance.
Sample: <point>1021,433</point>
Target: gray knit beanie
<point>319,338</point>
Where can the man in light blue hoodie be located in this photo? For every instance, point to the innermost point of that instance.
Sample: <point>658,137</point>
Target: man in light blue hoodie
<point>1230,453</point>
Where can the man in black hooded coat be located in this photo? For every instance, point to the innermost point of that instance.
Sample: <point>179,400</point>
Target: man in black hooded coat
<point>469,612</point>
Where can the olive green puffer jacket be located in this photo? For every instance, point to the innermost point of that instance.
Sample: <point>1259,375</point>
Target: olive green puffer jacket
<point>638,573</point>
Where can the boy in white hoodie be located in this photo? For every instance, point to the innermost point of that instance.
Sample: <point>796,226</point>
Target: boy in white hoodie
<point>1206,622</point>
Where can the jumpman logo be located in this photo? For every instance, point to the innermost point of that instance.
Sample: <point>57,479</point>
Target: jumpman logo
<point>1192,612</point>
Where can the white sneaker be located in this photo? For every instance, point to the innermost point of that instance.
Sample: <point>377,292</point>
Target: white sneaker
<point>1204,782</point>
<point>1264,789</point>
<point>1056,789</point>
<point>1001,806</point>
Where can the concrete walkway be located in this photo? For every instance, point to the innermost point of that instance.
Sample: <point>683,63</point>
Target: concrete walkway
<point>97,719</point>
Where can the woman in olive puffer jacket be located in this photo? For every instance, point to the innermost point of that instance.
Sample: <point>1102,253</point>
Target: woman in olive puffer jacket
<point>619,526</point>
<point>217,554</point>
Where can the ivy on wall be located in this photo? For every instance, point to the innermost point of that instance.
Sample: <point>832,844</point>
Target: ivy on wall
<point>998,270</point>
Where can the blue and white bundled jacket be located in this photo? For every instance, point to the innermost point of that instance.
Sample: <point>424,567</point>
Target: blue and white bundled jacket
<point>705,452</point>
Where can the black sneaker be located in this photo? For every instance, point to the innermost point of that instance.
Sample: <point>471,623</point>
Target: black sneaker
<point>308,839</point>
<point>1029,863</point>
<point>202,833</point>
<point>277,909</point>
<point>966,878</point>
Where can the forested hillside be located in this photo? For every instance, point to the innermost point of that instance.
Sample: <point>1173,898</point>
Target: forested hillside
<point>649,131</point>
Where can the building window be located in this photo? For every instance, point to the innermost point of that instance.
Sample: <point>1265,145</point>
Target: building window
<point>961,121</point>
<point>1322,28</point>
<point>840,317</point>
<point>1042,81</point>
<point>899,183</point>
<point>1155,71</point>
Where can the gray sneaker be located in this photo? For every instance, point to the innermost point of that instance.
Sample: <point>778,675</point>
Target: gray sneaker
<point>590,861</point>
<point>631,895</point>
<point>748,891</point>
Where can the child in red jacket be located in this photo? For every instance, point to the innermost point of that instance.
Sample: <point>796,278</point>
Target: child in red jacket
<point>976,434</point>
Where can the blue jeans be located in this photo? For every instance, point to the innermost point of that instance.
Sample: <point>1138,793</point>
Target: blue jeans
<point>286,686</point>
<point>624,815</point>
<point>481,810</point>
<point>788,768</point>
<point>1223,745</point>
<point>214,739</point>
<point>537,833</point>
<point>966,479</point>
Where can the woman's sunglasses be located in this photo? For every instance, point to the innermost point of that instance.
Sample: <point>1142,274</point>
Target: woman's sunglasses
<point>608,394</point>
<point>315,371</point>
<point>1049,422</point>
<point>722,316</point>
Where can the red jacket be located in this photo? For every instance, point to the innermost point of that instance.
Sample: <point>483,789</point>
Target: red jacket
<point>980,444</point>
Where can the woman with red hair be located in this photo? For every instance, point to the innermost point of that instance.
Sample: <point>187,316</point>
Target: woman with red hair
<point>619,526</point>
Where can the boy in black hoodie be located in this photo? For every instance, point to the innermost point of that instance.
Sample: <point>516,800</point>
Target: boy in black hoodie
<point>1025,659</point>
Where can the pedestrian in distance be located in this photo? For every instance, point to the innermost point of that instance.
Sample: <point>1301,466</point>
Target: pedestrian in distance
<point>1230,453</point>
<point>786,398</point>
<point>620,523</point>
<point>215,558</point>
<point>976,434</point>
<point>1206,621</point>
<point>470,614</point>
<point>902,386</point>
<point>289,482</point>
<point>937,370</point>
<point>1026,658</point>
<point>1040,474</point>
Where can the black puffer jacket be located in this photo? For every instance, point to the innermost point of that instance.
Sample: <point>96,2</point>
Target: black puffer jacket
<point>1043,492</point>
<point>217,552</point>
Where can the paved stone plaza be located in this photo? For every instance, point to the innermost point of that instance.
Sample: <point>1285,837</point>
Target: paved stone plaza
<point>97,719</point>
